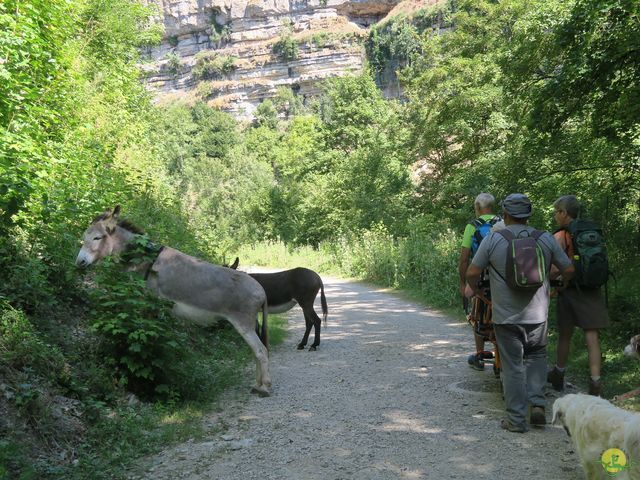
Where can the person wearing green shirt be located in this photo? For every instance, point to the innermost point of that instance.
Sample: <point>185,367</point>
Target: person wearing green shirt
<point>483,207</point>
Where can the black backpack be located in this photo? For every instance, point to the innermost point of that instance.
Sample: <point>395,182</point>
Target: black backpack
<point>589,253</point>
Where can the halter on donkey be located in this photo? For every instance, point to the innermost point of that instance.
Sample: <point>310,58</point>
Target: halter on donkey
<point>201,292</point>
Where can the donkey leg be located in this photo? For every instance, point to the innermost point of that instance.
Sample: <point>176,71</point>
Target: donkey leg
<point>308,324</point>
<point>317,323</point>
<point>263,379</point>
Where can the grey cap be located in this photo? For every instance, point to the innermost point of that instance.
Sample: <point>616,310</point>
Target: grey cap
<point>517,205</point>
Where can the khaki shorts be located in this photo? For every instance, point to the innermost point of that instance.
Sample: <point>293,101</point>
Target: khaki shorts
<point>582,308</point>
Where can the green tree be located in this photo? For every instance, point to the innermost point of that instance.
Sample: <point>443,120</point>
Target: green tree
<point>33,96</point>
<point>266,114</point>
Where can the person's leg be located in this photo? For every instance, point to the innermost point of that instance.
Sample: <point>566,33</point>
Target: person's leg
<point>479,343</point>
<point>565,325</point>
<point>475,360</point>
<point>510,344</point>
<point>595,360</point>
<point>593,350</point>
<point>535,361</point>
<point>565,332</point>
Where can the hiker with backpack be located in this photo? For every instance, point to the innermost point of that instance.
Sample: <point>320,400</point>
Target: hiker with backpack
<point>582,303</point>
<point>519,259</point>
<point>474,233</point>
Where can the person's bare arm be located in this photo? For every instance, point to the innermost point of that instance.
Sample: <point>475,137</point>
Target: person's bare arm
<point>463,264</point>
<point>567,275</point>
<point>473,277</point>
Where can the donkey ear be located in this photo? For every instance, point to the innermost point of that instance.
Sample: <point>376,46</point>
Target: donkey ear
<point>235,264</point>
<point>111,219</point>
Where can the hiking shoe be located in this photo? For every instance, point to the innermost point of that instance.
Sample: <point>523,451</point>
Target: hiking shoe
<point>487,355</point>
<point>556,378</point>
<point>537,417</point>
<point>510,427</point>
<point>475,362</point>
<point>595,388</point>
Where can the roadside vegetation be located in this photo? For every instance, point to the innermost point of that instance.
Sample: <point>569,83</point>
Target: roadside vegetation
<point>532,96</point>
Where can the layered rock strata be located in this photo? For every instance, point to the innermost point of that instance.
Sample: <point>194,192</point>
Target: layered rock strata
<point>235,54</point>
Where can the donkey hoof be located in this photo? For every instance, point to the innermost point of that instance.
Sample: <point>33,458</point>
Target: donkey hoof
<point>260,391</point>
<point>312,348</point>
<point>300,346</point>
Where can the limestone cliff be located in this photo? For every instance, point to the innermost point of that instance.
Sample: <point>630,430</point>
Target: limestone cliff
<point>234,54</point>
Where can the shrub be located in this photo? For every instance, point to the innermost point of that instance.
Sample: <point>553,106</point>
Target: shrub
<point>139,343</point>
<point>286,48</point>
<point>24,277</point>
<point>320,40</point>
<point>173,62</point>
<point>266,114</point>
<point>23,348</point>
<point>210,65</point>
<point>220,33</point>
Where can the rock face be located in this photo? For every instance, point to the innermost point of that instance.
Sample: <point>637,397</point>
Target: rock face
<point>235,54</point>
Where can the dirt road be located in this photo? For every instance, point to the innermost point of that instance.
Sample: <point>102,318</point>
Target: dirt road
<point>388,395</point>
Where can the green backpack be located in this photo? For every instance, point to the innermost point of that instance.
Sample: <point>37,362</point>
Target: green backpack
<point>589,254</point>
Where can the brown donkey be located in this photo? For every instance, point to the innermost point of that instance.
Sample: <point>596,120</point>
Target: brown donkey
<point>285,289</point>
<point>201,292</point>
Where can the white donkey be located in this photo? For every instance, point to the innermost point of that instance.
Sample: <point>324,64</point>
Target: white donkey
<point>201,292</point>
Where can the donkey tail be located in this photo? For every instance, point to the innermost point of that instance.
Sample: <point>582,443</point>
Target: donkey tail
<point>264,333</point>
<point>323,301</point>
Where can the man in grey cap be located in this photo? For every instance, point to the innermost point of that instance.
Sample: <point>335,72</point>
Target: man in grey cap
<point>519,316</point>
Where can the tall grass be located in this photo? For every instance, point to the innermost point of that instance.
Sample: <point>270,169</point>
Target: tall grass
<point>425,261</point>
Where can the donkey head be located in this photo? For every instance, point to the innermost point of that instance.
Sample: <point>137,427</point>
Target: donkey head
<point>99,240</point>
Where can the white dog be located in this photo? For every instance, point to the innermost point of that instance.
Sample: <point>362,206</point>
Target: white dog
<point>633,349</point>
<point>595,425</point>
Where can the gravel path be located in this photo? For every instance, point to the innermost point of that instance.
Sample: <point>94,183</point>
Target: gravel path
<point>388,395</point>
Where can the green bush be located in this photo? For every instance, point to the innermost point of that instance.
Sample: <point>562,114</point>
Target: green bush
<point>210,65</point>
<point>23,348</point>
<point>320,40</point>
<point>286,48</point>
<point>141,344</point>
<point>24,284</point>
<point>14,463</point>
<point>425,260</point>
<point>173,62</point>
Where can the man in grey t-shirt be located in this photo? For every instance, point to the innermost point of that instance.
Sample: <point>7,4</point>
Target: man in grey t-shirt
<point>519,317</point>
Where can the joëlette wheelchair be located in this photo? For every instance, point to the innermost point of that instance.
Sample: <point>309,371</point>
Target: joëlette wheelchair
<point>478,309</point>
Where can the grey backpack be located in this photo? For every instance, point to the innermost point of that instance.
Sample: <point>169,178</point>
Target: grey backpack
<point>525,268</point>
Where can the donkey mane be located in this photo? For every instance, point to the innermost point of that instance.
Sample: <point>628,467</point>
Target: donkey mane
<point>124,223</point>
<point>127,225</point>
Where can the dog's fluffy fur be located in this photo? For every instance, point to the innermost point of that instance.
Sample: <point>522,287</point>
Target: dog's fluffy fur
<point>596,425</point>
<point>633,349</point>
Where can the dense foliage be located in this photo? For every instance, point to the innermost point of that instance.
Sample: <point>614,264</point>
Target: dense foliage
<point>534,96</point>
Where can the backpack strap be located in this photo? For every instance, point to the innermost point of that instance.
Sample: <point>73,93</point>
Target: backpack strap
<point>568,241</point>
<point>494,220</point>
<point>477,223</point>
<point>509,235</point>
<point>506,234</point>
